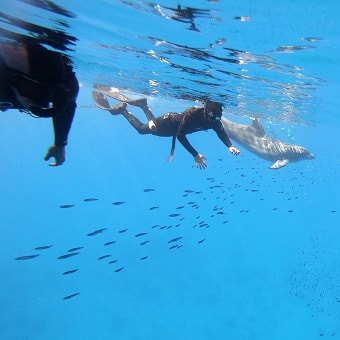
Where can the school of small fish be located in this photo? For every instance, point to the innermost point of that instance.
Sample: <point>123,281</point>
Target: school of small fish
<point>199,212</point>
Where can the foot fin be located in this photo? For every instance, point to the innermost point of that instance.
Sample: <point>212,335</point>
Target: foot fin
<point>112,92</point>
<point>115,94</point>
<point>100,100</point>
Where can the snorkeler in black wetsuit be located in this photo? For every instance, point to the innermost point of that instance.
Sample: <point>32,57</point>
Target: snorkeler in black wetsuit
<point>39,81</point>
<point>173,124</point>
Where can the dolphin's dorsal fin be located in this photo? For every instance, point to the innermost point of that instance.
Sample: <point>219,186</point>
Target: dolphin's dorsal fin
<point>279,164</point>
<point>258,128</point>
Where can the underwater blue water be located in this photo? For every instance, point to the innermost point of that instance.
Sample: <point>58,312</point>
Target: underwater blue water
<point>237,251</point>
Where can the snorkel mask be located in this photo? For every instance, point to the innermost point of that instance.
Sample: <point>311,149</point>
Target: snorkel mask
<point>213,117</point>
<point>213,110</point>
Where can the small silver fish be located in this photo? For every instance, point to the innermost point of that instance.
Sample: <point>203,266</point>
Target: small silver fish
<point>108,243</point>
<point>119,269</point>
<point>26,257</point>
<point>175,239</point>
<point>67,256</point>
<point>42,247</point>
<point>118,203</point>
<point>96,232</point>
<point>145,242</point>
<point>103,257</point>
<point>70,271</point>
<point>174,215</point>
<point>140,234</point>
<point>90,199</point>
<point>74,249</point>
<point>71,296</point>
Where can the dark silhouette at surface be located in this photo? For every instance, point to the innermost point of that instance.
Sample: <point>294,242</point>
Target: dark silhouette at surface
<point>37,80</point>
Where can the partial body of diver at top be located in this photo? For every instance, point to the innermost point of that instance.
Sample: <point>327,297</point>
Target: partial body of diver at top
<point>37,79</point>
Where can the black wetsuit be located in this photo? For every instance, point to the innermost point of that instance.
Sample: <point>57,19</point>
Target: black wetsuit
<point>43,77</point>
<point>179,125</point>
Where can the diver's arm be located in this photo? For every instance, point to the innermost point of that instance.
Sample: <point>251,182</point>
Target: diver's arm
<point>65,107</point>
<point>198,158</point>
<point>62,125</point>
<point>222,135</point>
<point>184,141</point>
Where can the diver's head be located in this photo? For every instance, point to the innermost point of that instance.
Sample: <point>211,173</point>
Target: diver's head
<point>213,110</point>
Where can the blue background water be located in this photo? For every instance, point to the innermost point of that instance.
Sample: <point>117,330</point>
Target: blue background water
<point>269,265</point>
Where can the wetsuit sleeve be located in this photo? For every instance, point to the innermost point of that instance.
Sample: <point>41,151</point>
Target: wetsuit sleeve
<point>187,117</point>
<point>65,107</point>
<point>184,141</point>
<point>222,135</point>
<point>62,124</point>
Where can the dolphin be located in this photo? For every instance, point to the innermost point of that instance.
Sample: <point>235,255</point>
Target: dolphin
<point>254,139</point>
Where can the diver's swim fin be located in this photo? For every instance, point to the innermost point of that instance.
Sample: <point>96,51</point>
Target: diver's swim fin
<point>115,94</point>
<point>101,101</point>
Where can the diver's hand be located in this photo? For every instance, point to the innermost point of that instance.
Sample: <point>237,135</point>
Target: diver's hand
<point>234,150</point>
<point>200,161</point>
<point>58,152</point>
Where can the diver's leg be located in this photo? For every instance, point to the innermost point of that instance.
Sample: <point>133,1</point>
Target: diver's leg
<point>107,91</point>
<point>102,102</point>
<point>141,103</point>
<point>141,128</point>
